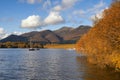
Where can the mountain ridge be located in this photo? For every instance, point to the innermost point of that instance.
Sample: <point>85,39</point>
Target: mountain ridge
<point>62,35</point>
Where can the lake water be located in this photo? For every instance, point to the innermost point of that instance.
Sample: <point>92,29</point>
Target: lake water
<point>49,64</point>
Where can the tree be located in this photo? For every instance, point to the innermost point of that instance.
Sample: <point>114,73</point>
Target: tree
<point>102,42</point>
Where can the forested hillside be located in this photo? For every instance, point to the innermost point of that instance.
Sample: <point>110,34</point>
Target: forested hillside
<point>102,42</point>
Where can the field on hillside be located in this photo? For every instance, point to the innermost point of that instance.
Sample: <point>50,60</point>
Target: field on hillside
<point>60,46</point>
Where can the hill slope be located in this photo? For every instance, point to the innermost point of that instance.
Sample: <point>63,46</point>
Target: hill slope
<point>14,38</point>
<point>71,34</point>
<point>62,35</point>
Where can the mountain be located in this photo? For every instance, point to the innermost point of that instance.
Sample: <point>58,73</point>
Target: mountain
<point>63,31</point>
<point>14,38</point>
<point>45,36</point>
<point>62,35</point>
<point>71,34</point>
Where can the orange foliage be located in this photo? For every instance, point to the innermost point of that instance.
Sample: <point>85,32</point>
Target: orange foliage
<point>102,42</point>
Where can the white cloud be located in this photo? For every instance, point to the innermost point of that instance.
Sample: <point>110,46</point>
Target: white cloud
<point>57,8</point>
<point>2,31</point>
<point>33,21</point>
<point>79,12</point>
<point>53,18</point>
<point>93,10</point>
<point>96,16</point>
<point>47,4</point>
<point>96,8</point>
<point>68,3</point>
<point>65,5</point>
<point>98,13</point>
<point>4,36</point>
<point>93,13</point>
<point>31,1</point>
<point>17,33</point>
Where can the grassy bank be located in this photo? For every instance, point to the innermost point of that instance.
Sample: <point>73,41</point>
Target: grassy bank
<point>60,46</point>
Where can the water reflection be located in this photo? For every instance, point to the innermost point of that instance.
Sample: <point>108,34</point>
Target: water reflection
<point>48,64</point>
<point>92,72</point>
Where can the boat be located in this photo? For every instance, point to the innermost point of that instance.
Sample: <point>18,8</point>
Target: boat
<point>31,47</point>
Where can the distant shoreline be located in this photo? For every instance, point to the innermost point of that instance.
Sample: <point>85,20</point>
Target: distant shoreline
<point>47,46</point>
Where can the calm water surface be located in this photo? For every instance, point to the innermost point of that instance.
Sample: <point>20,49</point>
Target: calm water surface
<point>49,64</point>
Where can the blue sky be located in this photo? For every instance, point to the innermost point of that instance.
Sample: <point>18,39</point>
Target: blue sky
<point>19,16</point>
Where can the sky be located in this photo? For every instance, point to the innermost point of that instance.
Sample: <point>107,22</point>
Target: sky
<point>20,16</point>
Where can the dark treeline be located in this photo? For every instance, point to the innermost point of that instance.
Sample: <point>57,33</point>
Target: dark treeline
<point>20,45</point>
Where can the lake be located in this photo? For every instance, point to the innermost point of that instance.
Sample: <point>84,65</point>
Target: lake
<point>49,64</point>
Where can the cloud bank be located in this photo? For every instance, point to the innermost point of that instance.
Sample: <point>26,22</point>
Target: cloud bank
<point>53,18</point>
<point>2,31</point>
<point>65,4</point>
<point>35,21</point>
<point>30,1</point>
<point>91,13</point>
<point>54,15</point>
<point>4,34</point>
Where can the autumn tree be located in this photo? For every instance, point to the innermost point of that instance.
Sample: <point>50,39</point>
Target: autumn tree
<point>102,42</point>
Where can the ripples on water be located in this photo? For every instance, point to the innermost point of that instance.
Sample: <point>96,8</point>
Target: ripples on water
<point>48,64</point>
